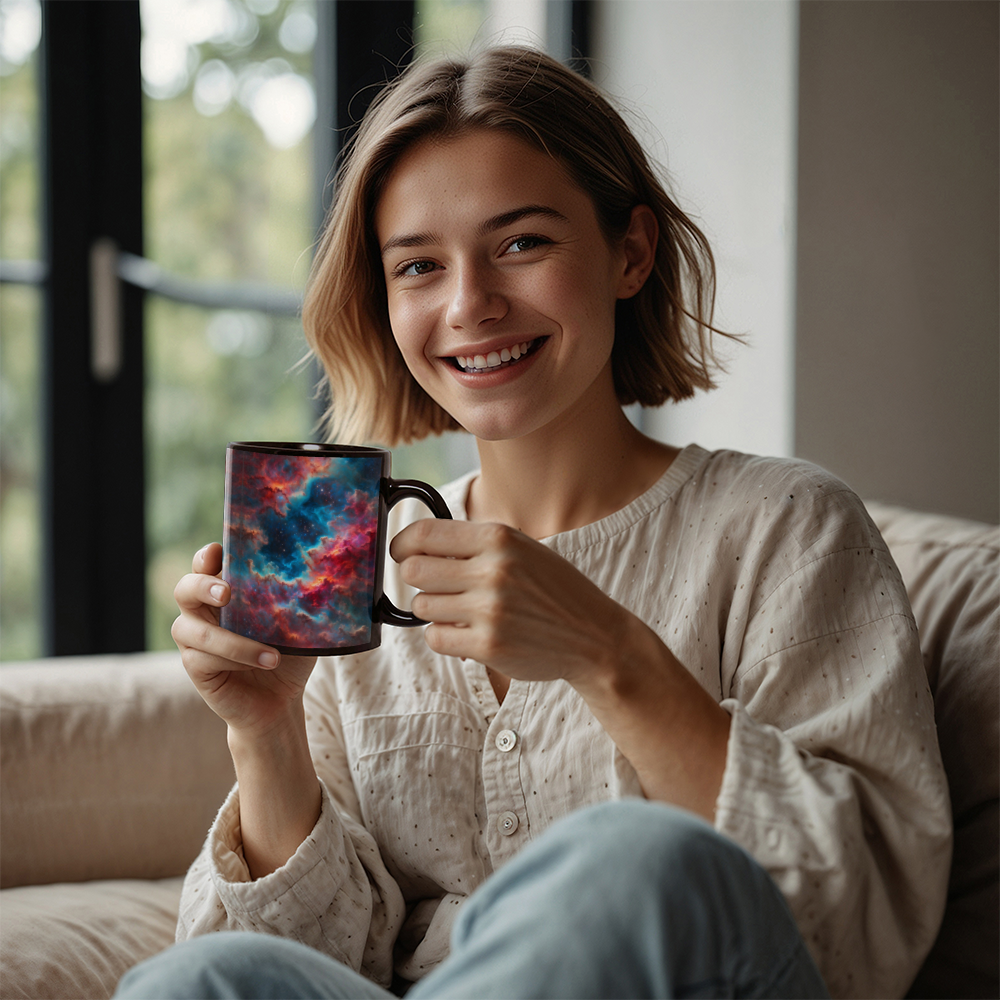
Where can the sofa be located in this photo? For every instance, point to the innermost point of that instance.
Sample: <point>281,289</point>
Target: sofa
<point>111,771</point>
<point>113,768</point>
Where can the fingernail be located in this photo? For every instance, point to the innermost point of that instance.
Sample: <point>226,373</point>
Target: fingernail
<point>218,591</point>
<point>268,660</point>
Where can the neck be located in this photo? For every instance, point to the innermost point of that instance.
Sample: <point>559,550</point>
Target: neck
<point>561,478</point>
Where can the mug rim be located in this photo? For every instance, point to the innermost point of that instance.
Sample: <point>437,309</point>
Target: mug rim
<point>303,448</point>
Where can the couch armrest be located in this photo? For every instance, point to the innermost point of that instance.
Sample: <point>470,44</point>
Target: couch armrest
<point>112,767</point>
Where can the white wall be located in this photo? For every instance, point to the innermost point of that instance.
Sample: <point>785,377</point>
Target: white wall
<point>716,82</point>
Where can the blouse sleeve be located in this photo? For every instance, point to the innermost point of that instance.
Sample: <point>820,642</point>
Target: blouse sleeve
<point>833,778</point>
<point>334,894</point>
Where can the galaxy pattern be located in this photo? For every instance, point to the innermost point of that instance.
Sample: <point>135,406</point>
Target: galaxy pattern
<point>301,548</point>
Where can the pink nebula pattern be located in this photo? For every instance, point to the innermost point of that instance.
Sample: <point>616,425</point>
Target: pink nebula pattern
<point>301,547</point>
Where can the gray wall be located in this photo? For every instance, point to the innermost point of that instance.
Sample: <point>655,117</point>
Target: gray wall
<point>897,367</point>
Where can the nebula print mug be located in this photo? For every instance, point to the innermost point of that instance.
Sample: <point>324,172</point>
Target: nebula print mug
<point>305,543</point>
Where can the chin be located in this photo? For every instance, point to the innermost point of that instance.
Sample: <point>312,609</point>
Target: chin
<point>499,430</point>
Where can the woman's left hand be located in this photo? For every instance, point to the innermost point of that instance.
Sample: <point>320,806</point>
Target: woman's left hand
<point>497,596</point>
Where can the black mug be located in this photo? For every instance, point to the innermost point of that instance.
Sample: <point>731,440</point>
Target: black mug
<point>305,543</point>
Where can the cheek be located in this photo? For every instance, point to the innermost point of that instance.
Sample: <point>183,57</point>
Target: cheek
<point>411,332</point>
<point>407,330</point>
<point>587,301</point>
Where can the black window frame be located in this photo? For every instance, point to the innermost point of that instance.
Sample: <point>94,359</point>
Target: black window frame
<point>94,279</point>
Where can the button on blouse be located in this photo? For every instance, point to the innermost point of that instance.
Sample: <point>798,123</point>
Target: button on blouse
<point>507,823</point>
<point>506,740</point>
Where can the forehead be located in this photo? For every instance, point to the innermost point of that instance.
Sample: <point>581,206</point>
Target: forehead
<point>482,172</point>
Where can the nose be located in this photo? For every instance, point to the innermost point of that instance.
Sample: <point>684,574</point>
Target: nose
<point>475,300</point>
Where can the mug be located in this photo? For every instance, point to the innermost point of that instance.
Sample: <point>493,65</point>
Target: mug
<point>305,541</point>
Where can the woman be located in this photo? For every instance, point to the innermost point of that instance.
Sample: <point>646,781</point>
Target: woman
<point>612,619</point>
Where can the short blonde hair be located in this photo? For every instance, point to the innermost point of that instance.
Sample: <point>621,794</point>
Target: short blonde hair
<point>662,347</point>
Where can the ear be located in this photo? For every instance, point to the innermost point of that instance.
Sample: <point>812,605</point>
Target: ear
<point>639,247</point>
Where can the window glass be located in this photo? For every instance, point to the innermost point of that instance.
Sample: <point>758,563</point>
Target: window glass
<point>441,26</point>
<point>229,113</point>
<point>448,26</point>
<point>20,317</point>
<point>221,375</point>
<point>229,198</point>
<point>20,499</point>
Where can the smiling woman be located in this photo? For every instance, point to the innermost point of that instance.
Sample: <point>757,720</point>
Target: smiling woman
<point>610,618</point>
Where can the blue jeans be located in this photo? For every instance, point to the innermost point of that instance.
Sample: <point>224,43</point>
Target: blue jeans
<point>626,899</point>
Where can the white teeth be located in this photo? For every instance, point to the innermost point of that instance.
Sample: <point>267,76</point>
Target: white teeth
<point>494,359</point>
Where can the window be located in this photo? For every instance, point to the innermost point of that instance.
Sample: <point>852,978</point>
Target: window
<point>20,318</point>
<point>150,314</point>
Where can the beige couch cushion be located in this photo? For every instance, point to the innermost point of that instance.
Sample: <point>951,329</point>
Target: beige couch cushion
<point>112,768</point>
<point>74,942</point>
<point>951,569</point>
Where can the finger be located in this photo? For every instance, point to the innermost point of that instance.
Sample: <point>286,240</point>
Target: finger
<point>208,559</point>
<point>451,609</point>
<point>194,635</point>
<point>197,589</point>
<point>453,640</point>
<point>203,667</point>
<point>435,574</point>
<point>454,539</point>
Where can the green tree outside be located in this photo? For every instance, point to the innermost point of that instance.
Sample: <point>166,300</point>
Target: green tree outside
<point>20,318</point>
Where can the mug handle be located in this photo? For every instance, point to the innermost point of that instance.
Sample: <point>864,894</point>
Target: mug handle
<point>394,491</point>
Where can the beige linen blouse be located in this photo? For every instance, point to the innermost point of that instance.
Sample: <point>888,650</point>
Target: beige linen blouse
<point>768,581</point>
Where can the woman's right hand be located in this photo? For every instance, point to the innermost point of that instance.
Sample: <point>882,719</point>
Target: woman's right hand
<point>259,695</point>
<point>249,685</point>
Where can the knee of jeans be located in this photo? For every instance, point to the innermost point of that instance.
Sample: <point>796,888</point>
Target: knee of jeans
<point>211,966</point>
<point>639,825</point>
<point>657,843</point>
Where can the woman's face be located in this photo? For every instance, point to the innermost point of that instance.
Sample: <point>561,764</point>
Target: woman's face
<point>501,286</point>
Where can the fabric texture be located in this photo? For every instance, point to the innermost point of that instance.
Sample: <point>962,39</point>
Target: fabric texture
<point>682,912</point>
<point>76,940</point>
<point>769,582</point>
<point>951,568</point>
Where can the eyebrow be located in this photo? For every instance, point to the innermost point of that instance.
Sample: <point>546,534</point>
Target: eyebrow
<point>491,225</point>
